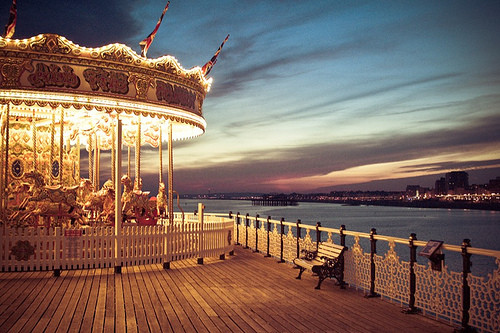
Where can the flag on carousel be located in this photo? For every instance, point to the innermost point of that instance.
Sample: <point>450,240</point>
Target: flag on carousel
<point>11,25</point>
<point>208,66</point>
<point>148,40</point>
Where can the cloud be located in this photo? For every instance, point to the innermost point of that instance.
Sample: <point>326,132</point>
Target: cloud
<point>89,23</point>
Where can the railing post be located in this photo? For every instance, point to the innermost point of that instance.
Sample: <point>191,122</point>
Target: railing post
<point>342,235</point>
<point>465,287</point>
<point>268,231</point>
<point>201,213</point>
<point>281,238</point>
<point>238,228</point>
<point>246,231</point>
<point>231,216</point>
<point>342,242</point>
<point>318,235</point>
<point>413,285</point>
<point>373,251</point>
<point>256,233</point>
<point>298,238</point>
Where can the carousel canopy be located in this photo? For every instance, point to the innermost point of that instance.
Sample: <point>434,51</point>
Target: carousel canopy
<point>49,76</point>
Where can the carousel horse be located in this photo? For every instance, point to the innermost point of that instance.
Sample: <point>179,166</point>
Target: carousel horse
<point>58,202</point>
<point>161,200</point>
<point>102,202</point>
<point>135,202</point>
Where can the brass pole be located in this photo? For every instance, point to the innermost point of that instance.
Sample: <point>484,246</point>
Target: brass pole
<point>78,157</point>
<point>118,195</point>
<point>97,153</point>
<point>160,180</point>
<point>91,160</point>
<point>33,137</point>
<point>52,143</point>
<point>128,162</point>
<point>61,144</point>
<point>113,152</point>
<point>6,162</point>
<point>170,176</point>
<point>138,156</point>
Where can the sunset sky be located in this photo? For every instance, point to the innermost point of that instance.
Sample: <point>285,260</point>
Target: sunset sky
<point>315,95</point>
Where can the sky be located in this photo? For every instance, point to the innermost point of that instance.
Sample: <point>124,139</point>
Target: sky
<point>314,96</point>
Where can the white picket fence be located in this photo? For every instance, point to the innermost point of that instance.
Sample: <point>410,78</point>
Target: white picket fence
<point>198,236</point>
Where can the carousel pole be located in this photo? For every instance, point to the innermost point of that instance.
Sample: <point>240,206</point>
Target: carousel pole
<point>170,176</point>
<point>97,156</point>
<point>52,143</point>
<point>118,195</point>
<point>128,162</point>
<point>33,137</point>
<point>113,153</point>
<point>6,160</point>
<point>78,156</point>
<point>137,184</point>
<point>61,144</point>
<point>91,160</point>
<point>160,178</point>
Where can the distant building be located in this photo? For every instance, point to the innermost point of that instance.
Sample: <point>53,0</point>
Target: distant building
<point>494,185</point>
<point>456,182</point>
<point>440,186</point>
<point>414,191</point>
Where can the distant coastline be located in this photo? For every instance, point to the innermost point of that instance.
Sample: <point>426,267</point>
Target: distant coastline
<point>428,203</point>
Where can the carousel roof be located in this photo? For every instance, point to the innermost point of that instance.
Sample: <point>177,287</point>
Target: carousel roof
<point>45,74</point>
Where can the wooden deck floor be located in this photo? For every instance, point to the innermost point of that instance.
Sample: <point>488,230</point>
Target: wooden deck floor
<point>244,293</point>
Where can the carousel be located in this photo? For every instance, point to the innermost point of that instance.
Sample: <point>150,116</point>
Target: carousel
<point>63,107</point>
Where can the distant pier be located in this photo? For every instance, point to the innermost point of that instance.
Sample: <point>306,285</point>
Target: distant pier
<point>270,201</point>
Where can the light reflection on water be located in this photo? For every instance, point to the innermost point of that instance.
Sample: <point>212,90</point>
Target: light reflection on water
<point>449,225</point>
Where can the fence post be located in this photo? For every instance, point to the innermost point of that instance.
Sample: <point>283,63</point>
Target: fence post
<point>231,216</point>
<point>268,230</point>
<point>342,242</point>
<point>298,238</point>
<point>413,258</point>
<point>318,235</point>
<point>238,228</point>
<point>246,230</point>
<point>373,251</point>
<point>465,287</point>
<point>256,233</point>
<point>57,250</point>
<point>201,213</point>
<point>282,231</point>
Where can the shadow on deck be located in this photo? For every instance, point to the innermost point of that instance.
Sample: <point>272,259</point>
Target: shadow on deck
<point>244,293</point>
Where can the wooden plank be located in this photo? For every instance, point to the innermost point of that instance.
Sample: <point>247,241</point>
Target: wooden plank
<point>150,300</point>
<point>109,309</point>
<point>120,325</point>
<point>90,309</point>
<point>130,318</point>
<point>140,313</point>
<point>14,318</point>
<point>61,287</point>
<point>207,295</point>
<point>78,315</point>
<point>171,277</point>
<point>73,277</point>
<point>72,305</point>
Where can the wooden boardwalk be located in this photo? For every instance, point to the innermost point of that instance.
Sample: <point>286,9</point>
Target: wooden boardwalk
<point>244,293</point>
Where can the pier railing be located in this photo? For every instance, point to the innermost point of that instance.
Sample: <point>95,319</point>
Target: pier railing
<point>459,297</point>
<point>196,236</point>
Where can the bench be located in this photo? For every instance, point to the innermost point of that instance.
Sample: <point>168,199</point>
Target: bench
<point>327,261</point>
